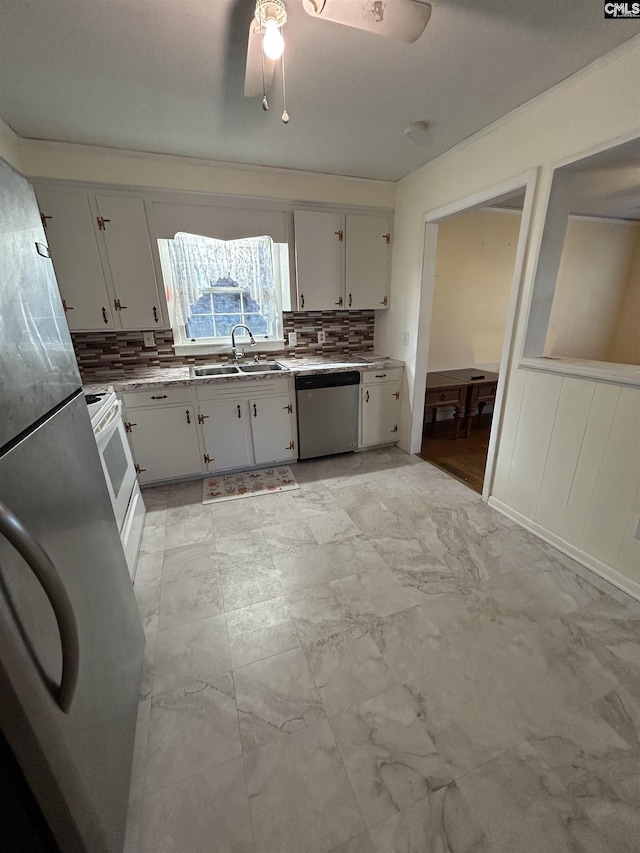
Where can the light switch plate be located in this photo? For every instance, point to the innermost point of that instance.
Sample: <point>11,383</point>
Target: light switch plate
<point>293,339</point>
<point>148,339</point>
<point>322,337</point>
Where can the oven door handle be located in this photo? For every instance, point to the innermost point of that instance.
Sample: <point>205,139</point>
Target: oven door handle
<point>107,426</point>
<point>45,571</point>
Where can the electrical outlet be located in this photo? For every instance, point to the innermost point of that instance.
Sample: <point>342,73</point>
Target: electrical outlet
<point>148,339</point>
<point>293,339</point>
<point>322,337</point>
<point>405,339</point>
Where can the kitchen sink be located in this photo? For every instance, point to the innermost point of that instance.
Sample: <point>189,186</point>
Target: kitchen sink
<point>213,370</point>
<point>262,367</point>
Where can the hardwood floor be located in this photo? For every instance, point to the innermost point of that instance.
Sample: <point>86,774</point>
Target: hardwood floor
<point>465,458</point>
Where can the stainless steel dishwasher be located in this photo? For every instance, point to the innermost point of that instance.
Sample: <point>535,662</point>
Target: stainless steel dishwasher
<point>327,413</point>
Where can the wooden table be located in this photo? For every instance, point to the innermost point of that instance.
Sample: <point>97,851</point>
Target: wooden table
<point>446,391</point>
<point>482,385</point>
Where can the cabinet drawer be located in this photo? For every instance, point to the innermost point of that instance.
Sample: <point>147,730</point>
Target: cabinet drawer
<point>446,397</point>
<point>157,396</point>
<point>242,388</point>
<point>370,377</point>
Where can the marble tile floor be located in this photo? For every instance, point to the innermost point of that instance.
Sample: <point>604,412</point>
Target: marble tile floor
<point>377,663</point>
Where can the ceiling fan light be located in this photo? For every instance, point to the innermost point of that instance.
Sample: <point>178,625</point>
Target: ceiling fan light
<point>272,41</point>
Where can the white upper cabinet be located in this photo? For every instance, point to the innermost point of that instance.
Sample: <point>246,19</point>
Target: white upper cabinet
<point>319,241</point>
<point>73,243</point>
<point>102,256</point>
<point>368,255</point>
<point>342,261</point>
<point>124,224</point>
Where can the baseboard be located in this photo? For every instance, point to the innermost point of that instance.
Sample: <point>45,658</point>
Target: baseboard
<point>618,580</point>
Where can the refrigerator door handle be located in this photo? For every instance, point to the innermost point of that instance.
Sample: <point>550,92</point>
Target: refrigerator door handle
<point>43,568</point>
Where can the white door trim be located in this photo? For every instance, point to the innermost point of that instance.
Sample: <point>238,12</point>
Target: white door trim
<point>527,182</point>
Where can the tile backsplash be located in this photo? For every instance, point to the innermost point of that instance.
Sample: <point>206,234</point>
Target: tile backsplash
<point>113,354</point>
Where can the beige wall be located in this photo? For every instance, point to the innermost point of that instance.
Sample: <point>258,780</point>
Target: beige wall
<point>474,269</point>
<point>624,345</point>
<point>127,168</point>
<point>591,109</point>
<point>10,146</point>
<point>591,284</point>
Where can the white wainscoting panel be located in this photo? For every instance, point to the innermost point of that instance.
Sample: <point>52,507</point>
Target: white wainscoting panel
<point>569,465</point>
<point>594,442</point>
<point>564,449</point>
<point>617,484</point>
<point>535,425</point>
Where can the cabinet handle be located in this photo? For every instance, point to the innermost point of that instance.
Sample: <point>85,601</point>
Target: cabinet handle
<point>350,301</point>
<point>101,223</point>
<point>119,305</point>
<point>385,301</point>
<point>104,314</point>
<point>239,411</point>
<point>339,235</point>
<point>202,418</point>
<point>43,219</point>
<point>43,250</point>
<point>159,397</point>
<point>339,302</point>
<point>366,399</point>
<point>155,314</point>
<point>188,416</point>
<point>66,307</point>
<point>302,300</point>
<point>380,375</point>
<point>139,470</point>
<point>255,411</point>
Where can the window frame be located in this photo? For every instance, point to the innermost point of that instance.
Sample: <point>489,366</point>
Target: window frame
<point>184,345</point>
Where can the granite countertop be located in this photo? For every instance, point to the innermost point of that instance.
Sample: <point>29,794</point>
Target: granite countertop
<point>157,377</point>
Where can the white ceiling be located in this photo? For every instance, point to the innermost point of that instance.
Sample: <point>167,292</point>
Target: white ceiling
<point>168,76</point>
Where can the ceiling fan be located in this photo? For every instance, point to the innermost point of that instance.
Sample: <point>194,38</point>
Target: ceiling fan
<point>396,19</point>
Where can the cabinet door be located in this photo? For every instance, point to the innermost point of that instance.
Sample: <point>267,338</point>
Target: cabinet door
<point>368,248</point>
<point>271,428</point>
<point>319,240</point>
<point>225,426</point>
<point>380,410</point>
<point>165,442</point>
<point>76,258</point>
<point>130,261</point>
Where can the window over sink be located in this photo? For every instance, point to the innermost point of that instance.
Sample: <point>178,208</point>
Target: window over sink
<point>212,285</point>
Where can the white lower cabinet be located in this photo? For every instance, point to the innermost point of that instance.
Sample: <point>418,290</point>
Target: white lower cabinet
<point>225,429</point>
<point>256,427</point>
<point>379,407</point>
<point>271,429</point>
<point>164,441</point>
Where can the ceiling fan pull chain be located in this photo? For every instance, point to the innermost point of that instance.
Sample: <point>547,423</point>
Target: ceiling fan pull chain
<point>265,102</point>
<point>285,114</point>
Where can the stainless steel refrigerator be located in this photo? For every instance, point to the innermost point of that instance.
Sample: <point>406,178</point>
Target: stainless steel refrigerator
<point>71,639</point>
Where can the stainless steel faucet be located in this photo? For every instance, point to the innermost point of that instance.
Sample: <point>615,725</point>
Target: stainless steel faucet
<point>234,351</point>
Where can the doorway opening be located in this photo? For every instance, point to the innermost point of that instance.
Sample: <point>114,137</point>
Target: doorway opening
<point>473,263</point>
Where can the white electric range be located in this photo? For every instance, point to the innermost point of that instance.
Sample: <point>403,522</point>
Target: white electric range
<point>105,411</point>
